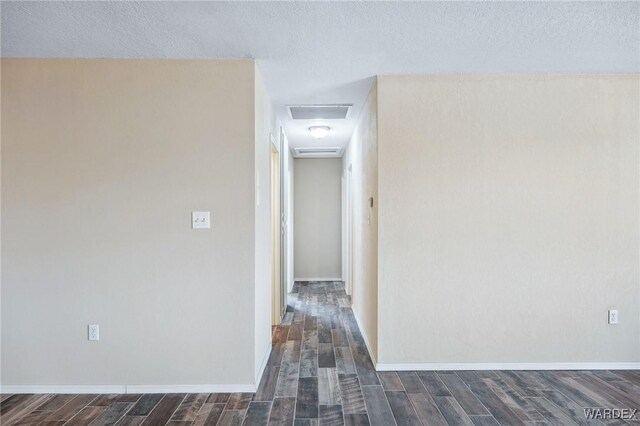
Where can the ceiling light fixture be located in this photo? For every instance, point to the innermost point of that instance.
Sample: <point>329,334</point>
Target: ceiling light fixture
<point>319,132</point>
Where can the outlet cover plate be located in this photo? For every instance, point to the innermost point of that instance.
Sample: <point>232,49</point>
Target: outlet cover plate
<point>200,220</point>
<point>94,332</point>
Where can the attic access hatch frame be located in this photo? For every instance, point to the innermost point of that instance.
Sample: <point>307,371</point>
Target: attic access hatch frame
<point>319,111</point>
<point>317,152</point>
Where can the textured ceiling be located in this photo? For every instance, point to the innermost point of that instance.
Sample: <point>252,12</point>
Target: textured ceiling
<point>320,52</point>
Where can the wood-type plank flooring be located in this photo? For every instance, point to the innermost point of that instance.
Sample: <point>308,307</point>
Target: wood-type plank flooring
<point>320,373</point>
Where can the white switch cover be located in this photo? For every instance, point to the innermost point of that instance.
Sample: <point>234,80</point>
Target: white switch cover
<point>200,220</point>
<point>94,332</point>
<point>613,316</point>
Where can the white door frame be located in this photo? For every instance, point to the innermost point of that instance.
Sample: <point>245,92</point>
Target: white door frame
<point>277,307</point>
<point>290,219</point>
<point>348,231</point>
<point>284,217</point>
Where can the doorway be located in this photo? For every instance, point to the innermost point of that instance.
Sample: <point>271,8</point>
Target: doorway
<point>278,293</point>
<point>350,232</point>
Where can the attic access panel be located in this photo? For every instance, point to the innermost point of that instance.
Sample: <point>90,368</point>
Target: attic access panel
<point>317,152</point>
<point>319,112</point>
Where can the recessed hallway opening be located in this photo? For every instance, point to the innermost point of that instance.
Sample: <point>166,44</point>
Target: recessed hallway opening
<point>320,372</point>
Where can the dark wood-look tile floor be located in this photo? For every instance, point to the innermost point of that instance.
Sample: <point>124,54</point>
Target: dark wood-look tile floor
<point>320,373</point>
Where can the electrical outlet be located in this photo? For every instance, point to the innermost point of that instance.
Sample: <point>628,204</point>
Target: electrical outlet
<point>94,332</point>
<point>200,220</point>
<point>613,316</point>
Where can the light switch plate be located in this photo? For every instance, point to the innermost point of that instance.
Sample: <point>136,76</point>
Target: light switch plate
<point>200,220</point>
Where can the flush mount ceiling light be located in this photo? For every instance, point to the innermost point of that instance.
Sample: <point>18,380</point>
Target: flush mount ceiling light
<point>319,132</point>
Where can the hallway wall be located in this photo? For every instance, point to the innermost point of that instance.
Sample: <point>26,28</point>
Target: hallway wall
<point>362,157</point>
<point>509,219</point>
<point>102,163</point>
<point>265,128</point>
<point>317,210</point>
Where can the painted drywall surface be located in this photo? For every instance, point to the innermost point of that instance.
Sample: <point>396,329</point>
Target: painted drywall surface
<point>264,130</point>
<point>508,221</point>
<point>451,38</point>
<point>362,157</point>
<point>102,163</point>
<point>317,210</point>
<point>287,194</point>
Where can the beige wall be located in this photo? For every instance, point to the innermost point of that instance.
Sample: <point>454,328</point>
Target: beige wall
<point>508,219</point>
<point>265,128</point>
<point>102,163</point>
<point>362,157</point>
<point>317,211</point>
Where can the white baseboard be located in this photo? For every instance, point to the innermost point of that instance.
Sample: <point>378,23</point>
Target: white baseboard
<point>364,336</point>
<point>123,389</point>
<point>317,279</point>
<point>190,388</point>
<point>440,366</point>
<point>63,389</point>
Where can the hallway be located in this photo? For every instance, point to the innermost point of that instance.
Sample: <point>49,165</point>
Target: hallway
<point>320,369</point>
<point>320,373</point>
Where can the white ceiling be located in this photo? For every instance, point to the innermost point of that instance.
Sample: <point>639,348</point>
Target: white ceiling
<point>328,52</point>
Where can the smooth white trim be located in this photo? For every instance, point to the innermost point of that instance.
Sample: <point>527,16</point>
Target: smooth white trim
<point>123,389</point>
<point>364,336</point>
<point>317,279</point>
<point>263,365</point>
<point>190,388</point>
<point>273,142</point>
<point>63,389</point>
<point>439,366</point>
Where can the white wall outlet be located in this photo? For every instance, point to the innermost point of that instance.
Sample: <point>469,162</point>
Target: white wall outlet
<point>613,316</point>
<point>200,220</point>
<point>94,332</point>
